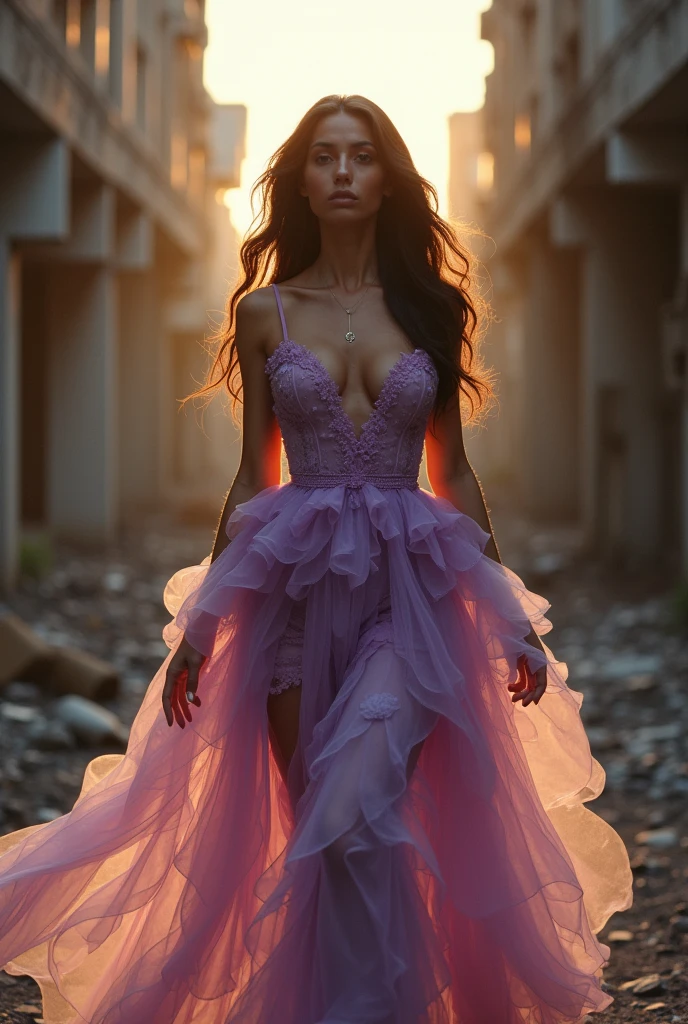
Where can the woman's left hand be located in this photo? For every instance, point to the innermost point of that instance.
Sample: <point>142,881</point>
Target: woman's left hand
<point>529,686</point>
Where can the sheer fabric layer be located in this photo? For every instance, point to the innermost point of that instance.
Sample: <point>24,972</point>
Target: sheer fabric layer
<point>191,884</point>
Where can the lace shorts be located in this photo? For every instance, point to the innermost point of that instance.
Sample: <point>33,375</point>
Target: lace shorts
<point>287,670</point>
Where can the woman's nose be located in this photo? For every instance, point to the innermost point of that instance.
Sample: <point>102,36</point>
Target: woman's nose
<point>343,170</point>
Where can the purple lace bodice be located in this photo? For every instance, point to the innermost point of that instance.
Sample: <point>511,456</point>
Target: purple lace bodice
<point>319,437</point>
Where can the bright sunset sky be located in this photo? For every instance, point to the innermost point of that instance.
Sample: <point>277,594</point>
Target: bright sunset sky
<point>419,61</point>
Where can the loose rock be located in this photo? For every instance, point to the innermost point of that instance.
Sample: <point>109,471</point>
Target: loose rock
<point>23,654</point>
<point>90,723</point>
<point>21,692</point>
<point>51,735</point>
<point>77,671</point>
<point>19,713</point>
<point>46,814</point>
<point>648,985</point>
<point>658,839</point>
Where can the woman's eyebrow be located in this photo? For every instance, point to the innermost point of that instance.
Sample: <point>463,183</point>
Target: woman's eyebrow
<point>330,145</point>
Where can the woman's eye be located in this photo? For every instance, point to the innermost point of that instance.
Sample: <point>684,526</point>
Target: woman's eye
<point>365,157</point>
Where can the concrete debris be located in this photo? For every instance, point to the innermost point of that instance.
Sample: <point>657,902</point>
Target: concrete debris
<point>90,723</point>
<point>115,581</point>
<point>51,735</point>
<point>632,665</point>
<point>76,671</point>
<point>27,660</point>
<point>650,984</point>
<point>641,681</point>
<point>17,712</point>
<point>23,655</point>
<point>22,693</point>
<point>657,839</point>
<point>46,814</point>
<point>89,630</point>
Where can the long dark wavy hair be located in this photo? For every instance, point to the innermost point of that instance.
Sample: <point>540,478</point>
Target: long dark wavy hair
<point>423,268</point>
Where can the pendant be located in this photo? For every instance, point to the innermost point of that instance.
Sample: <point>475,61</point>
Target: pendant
<point>350,336</point>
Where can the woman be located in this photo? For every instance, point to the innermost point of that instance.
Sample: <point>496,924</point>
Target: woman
<point>358,822</point>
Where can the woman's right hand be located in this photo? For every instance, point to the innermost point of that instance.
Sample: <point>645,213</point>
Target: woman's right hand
<point>181,681</point>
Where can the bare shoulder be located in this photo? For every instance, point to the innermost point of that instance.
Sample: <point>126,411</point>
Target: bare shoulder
<point>256,307</point>
<point>257,322</point>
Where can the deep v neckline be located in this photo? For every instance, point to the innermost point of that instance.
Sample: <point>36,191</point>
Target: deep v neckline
<point>336,398</point>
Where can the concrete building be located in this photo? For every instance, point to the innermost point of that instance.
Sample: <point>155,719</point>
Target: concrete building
<point>586,122</point>
<point>113,242</point>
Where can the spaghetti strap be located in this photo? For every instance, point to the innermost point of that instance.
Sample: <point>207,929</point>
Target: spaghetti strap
<point>280,308</point>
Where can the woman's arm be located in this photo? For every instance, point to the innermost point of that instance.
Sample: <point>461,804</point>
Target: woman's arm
<point>451,475</point>
<point>259,466</point>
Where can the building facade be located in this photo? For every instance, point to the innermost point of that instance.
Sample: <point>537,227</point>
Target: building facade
<point>113,245</point>
<point>585,126</point>
<point>470,185</point>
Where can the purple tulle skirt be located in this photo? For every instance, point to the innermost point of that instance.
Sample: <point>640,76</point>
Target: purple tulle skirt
<point>428,859</point>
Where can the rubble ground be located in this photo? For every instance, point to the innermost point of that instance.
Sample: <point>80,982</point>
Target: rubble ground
<point>625,650</point>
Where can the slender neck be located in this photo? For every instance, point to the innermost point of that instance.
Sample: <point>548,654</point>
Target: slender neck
<point>348,259</point>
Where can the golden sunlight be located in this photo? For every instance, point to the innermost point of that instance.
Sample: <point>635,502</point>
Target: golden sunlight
<point>420,63</point>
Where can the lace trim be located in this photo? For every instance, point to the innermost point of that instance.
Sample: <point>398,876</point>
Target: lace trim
<point>398,378</point>
<point>285,684</point>
<point>286,675</point>
<point>288,351</point>
<point>350,447</point>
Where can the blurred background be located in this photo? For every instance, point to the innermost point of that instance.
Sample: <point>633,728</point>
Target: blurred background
<point>131,134</point>
<point>556,133</point>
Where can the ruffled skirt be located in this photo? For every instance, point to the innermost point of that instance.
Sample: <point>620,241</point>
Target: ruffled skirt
<point>428,858</point>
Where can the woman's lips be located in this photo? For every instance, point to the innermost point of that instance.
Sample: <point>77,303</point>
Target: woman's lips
<point>343,199</point>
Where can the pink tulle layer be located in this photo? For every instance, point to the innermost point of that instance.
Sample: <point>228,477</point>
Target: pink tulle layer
<point>192,883</point>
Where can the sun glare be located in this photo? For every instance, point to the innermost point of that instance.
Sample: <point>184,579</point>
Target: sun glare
<point>419,63</point>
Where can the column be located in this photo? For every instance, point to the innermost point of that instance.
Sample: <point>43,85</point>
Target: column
<point>10,340</point>
<point>550,398</point>
<point>34,204</point>
<point>628,272</point>
<point>140,357</point>
<point>82,399</point>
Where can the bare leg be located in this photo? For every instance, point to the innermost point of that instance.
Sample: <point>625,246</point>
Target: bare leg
<point>414,754</point>
<point>283,720</point>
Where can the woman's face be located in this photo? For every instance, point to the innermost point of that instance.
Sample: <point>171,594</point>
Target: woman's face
<point>343,177</point>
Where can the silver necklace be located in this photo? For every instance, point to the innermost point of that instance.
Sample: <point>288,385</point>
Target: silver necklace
<point>350,336</point>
